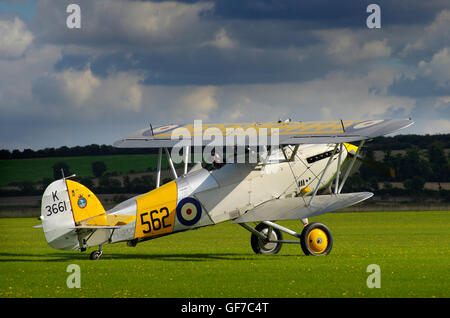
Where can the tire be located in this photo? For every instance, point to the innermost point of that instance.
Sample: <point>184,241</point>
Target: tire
<point>95,255</point>
<point>260,246</point>
<point>316,239</point>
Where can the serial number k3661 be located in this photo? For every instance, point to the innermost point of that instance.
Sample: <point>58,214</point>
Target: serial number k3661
<point>55,208</point>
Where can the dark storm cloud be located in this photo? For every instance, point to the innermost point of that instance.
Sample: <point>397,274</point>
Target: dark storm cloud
<point>419,87</point>
<point>338,13</point>
<point>122,24</point>
<point>330,13</point>
<point>135,62</point>
<point>211,66</point>
<point>70,61</point>
<point>105,23</point>
<point>271,33</point>
<point>270,41</point>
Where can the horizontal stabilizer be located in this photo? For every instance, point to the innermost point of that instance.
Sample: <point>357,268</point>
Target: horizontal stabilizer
<point>95,227</point>
<point>299,208</point>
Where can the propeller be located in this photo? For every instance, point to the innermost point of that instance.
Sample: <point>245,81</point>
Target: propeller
<point>388,171</point>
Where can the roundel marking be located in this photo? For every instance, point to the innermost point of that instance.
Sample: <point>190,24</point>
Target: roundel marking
<point>164,128</point>
<point>189,211</point>
<point>367,124</point>
<point>158,130</point>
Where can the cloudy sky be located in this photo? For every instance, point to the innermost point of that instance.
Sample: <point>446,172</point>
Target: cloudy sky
<point>133,63</point>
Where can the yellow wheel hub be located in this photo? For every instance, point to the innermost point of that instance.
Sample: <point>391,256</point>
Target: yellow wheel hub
<point>317,241</point>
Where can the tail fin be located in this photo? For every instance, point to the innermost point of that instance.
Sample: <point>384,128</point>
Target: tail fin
<point>65,204</point>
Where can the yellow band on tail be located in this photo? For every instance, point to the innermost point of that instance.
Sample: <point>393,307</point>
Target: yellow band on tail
<point>85,204</point>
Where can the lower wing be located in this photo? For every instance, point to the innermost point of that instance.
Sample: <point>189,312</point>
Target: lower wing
<point>299,207</point>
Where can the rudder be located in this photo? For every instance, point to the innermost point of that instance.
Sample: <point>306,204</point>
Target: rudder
<point>85,204</point>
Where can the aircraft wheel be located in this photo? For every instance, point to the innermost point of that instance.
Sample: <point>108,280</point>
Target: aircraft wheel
<point>95,255</point>
<point>261,246</point>
<point>316,239</point>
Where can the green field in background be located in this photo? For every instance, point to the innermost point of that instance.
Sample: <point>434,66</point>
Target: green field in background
<point>411,248</point>
<point>36,169</point>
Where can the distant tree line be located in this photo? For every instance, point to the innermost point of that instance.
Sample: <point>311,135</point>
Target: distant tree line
<point>430,163</point>
<point>101,182</point>
<point>90,150</point>
<point>400,142</point>
<point>382,143</point>
<point>413,169</point>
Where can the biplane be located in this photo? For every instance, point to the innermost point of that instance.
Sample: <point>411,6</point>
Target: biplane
<point>298,177</point>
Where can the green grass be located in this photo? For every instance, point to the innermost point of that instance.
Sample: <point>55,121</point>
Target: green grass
<point>411,248</point>
<point>36,169</point>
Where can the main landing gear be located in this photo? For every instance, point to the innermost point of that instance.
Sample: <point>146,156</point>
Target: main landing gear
<point>267,243</point>
<point>96,255</point>
<point>267,238</point>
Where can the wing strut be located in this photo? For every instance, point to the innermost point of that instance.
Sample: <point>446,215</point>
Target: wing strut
<point>323,173</point>
<point>158,172</point>
<point>338,171</point>
<point>347,172</point>
<point>172,167</point>
<point>186,158</point>
<point>288,160</point>
<point>174,172</point>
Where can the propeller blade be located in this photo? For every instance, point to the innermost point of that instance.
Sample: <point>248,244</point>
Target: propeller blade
<point>389,171</point>
<point>352,150</point>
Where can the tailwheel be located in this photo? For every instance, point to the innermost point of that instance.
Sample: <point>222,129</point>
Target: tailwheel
<point>316,239</point>
<point>269,245</point>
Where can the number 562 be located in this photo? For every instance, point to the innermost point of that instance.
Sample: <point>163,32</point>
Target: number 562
<point>155,220</point>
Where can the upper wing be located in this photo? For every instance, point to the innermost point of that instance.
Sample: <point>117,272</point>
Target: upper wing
<point>315,132</point>
<point>299,208</point>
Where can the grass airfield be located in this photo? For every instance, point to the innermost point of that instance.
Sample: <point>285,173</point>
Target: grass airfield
<point>412,250</point>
